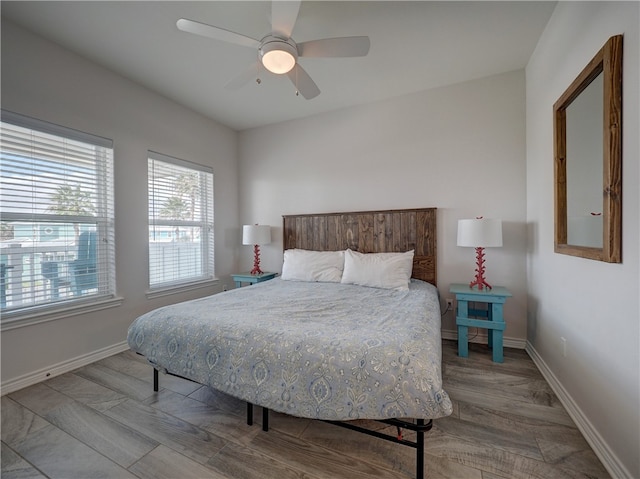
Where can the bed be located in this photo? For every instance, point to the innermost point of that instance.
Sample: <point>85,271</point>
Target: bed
<point>334,338</point>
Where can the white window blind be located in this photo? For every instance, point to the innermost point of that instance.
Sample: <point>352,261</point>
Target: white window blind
<point>56,215</point>
<point>180,222</point>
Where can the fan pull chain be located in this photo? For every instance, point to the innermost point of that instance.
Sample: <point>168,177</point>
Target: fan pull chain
<point>297,91</point>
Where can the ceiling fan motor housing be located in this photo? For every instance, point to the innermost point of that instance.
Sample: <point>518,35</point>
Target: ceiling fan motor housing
<point>278,55</point>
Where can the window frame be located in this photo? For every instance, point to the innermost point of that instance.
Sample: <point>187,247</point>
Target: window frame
<point>205,223</point>
<point>104,221</point>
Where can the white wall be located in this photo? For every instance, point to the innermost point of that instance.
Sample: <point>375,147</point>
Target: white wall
<point>594,305</point>
<point>459,148</point>
<point>42,80</point>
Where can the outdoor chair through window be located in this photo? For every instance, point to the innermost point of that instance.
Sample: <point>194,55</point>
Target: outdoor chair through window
<point>85,276</point>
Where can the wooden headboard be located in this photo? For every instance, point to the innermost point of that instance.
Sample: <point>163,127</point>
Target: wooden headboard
<point>369,232</point>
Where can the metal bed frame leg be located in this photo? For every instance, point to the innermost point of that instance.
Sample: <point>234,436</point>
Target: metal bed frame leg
<point>420,451</point>
<point>249,414</point>
<point>420,427</point>
<point>155,379</point>
<point>265,416</point>
<point>265,419</point>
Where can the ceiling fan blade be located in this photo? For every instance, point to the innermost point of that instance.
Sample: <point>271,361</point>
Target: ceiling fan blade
<point>216,33</point>
<point>244,77</point>
<point>335,47</point>
<point>283,17</point>
<point>303,82</point>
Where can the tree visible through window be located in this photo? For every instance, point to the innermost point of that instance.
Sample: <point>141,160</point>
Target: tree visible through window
<point>70,200</point>
<point>180,221</point>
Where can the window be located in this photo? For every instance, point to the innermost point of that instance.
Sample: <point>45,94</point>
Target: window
<point>56,216</point>
<point>180,222</point>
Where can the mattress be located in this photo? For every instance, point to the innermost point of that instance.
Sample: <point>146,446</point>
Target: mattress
<point>316,350</point>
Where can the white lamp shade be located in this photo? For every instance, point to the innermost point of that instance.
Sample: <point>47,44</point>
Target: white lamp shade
<point>480,233</point>
<point>256,234</point>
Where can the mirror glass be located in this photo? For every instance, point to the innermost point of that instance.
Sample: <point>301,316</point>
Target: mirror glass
<point>584,166</point>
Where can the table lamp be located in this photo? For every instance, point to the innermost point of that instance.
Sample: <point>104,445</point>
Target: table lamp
<point>480,233</point>
<point>256,235</point>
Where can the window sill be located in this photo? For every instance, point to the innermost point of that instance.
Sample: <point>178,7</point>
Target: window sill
<point>36,317</point>
<point>181,288</point>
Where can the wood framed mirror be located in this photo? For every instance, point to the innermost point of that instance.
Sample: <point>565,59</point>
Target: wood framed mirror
<point>587,129</point>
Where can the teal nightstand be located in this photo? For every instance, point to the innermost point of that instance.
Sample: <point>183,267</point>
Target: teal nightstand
<point>490,319</point>
<point>240,278</point>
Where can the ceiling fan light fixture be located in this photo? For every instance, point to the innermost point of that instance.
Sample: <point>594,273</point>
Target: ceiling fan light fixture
<point>278,56</point>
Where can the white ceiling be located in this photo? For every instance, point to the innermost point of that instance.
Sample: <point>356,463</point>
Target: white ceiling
<point>415,46</point>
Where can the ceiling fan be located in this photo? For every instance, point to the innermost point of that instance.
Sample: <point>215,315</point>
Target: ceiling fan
<point>277,52</point>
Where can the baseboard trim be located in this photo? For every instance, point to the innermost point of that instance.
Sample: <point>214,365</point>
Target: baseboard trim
<point>482,338</point>
<point>609,460</point>
<point>63,367</point>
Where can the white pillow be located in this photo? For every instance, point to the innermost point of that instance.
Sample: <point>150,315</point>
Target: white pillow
<point>378,270</point>
<point>305,265</point>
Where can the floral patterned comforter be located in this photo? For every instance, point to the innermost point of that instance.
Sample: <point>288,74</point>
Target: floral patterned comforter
<point>316,350</point>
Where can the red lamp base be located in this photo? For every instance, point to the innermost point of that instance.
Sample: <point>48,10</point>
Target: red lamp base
<point>480,280</point>
<point>256,260</point>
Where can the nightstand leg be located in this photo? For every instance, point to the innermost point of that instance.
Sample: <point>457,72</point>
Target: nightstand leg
<point>463,337</point>
<point>490,331</point>
<point>496,334</point>
<point>463,346</point>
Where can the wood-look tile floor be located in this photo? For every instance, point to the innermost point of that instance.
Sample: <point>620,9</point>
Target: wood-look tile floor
<point>104,420</point>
